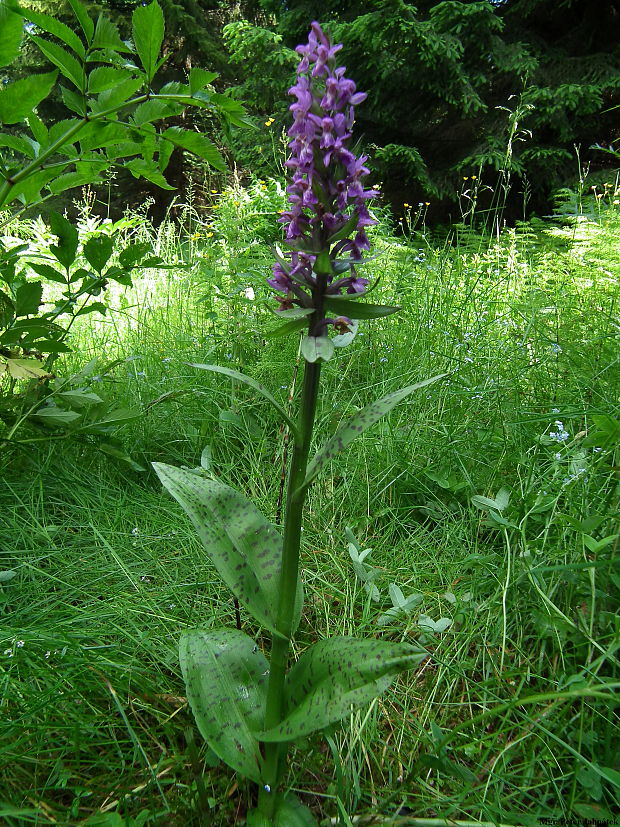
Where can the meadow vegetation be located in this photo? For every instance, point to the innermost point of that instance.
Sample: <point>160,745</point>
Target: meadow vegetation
<point>489,500</point>
<point>469,537</point>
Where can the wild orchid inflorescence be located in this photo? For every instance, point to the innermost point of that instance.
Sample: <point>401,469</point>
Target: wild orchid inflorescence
<point>328,214</point>
<point>250,709</point>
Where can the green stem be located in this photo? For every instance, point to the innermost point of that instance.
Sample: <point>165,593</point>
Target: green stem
<point>275,754</point>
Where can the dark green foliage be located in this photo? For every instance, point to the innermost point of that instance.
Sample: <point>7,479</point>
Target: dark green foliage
<point>457,88</point>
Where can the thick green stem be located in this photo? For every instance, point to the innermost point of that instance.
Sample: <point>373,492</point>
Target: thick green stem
<point>275,754</point>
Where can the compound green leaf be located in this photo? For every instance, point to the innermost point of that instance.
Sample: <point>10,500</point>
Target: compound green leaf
<point>80,398</point>
<point>333,676</point>
<point>196,143</point>
<point>199,78</point>
<point>244,548</point>
<point>106,77</point>
<point>247,380</point>
<point>28,298</point>
<point>148,35</point>
<point>88,27</point>
<point>19,144</point>
<point>66,249</point>
<point>97,251</point>
<point>359,423</point>
<point>107,36</point>
<point>68,65</point>
<point>226,678</point>
<point>154,110</point>
<point>18,99</point>
<point>52,26</point>
<point>140,168</point>
<point>56,416</point>
<point>11,26</point>
<point>70,180</point>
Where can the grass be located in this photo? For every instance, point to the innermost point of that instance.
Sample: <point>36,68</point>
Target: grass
<point>512,719</point>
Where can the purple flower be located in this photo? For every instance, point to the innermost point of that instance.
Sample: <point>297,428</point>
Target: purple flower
<point>326,192</point>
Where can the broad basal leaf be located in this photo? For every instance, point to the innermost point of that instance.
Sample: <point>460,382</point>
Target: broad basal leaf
<point>226,678</point>
<point>359,423</point>
<point>333,676</point>
<point>289,812</point>
<point>247,380</point>
<point>110,421</point>
<point>245,549</point>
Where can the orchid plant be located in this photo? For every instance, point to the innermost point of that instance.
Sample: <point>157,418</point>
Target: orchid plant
<point>251,708</point>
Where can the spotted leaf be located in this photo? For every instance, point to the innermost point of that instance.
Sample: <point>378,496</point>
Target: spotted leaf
<point>245,548</point>
<point>226,678</point>
<point>333,676</point>
<point>359,423</point>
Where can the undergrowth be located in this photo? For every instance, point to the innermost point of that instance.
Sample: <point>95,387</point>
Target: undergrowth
<point>493,498</point>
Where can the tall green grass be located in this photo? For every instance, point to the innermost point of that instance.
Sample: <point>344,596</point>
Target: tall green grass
<point>512,718</point>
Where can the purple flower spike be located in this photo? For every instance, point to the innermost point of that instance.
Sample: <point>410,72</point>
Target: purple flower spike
<point>326,192</point>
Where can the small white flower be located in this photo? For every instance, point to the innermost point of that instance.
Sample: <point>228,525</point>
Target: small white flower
<point>135,531</point>
<point>19,644</point>
<point>47,654</point>
<point>8,652</point>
